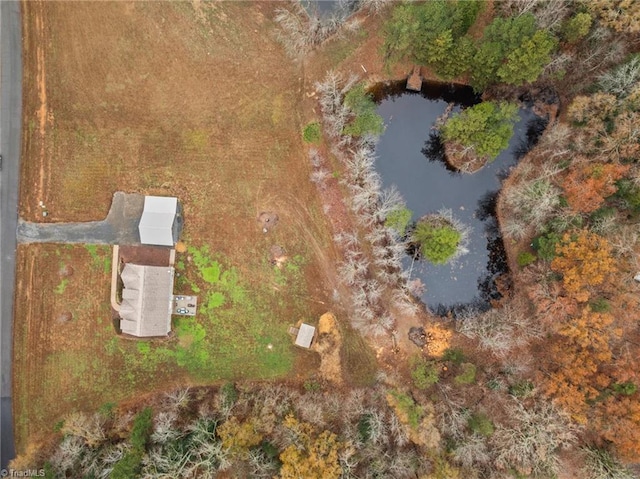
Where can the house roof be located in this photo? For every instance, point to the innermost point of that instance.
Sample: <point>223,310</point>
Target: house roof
<point>156,223</point>
<point>305,335</point>
<point>146,300</point>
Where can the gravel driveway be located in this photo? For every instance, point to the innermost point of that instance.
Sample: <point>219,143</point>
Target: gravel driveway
<point>119,227</point>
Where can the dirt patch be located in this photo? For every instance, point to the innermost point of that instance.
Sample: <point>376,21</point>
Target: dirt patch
<point>418,336</point>
<point>267,220</point>
<point>277,256</point>
<point>145,255</point>
<point>65,317</point>
<point>463,159</point>
<point>66,271</point>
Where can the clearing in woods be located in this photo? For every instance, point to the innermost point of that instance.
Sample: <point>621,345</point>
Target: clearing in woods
<point>168,98</point>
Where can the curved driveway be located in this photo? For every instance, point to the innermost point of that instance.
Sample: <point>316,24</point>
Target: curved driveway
<point>10,123</point>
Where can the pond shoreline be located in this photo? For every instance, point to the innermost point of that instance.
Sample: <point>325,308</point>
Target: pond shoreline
<point>490,262</point>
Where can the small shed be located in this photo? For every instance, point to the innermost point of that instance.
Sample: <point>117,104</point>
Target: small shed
<point>158,225</point>
<point>147,300</point>
<point>305,336</point>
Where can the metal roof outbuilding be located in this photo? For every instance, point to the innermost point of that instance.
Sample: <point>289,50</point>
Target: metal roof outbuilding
<point>156,225</point>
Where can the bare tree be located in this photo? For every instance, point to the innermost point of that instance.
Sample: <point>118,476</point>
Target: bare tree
<point>600,464</point>
<point>533,202</point>
<point>88,427</point>
<point>502,329</point>
<point>374,6</point>
<point>319,177</point>
<point>68,453</point>
<point>529,444</point>
<point>178,399</point>
<point>164,428</point>
<point>472,451</point>
<point>621,80</point>
<point>353,270</point>
<point>549,14</point>
<point>300,32</point>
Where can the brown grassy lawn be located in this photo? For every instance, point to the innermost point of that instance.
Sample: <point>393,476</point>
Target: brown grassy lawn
<point>193,100</point>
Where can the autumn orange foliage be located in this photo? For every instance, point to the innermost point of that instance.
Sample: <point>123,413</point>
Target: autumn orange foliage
<point>581,347</point>
<point>619,422</point>
<point>588,184</point>
<point>584,260</point>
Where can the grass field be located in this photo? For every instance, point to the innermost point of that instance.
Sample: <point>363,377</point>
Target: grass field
<point>65,338</point>
<point>194,100</point>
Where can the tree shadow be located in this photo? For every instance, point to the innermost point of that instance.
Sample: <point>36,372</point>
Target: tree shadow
<point>433,151</point>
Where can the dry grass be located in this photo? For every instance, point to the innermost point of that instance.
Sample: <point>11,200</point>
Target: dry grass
<point>193,100</point>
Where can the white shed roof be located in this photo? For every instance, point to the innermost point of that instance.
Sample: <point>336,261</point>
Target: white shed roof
<point>146,300</point>
<point>156,224</point>
<point>305,335</point>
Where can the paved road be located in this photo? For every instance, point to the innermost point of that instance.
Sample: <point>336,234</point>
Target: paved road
<point>10,123</point>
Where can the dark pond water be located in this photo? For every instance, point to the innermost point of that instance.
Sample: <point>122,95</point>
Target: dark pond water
<point>325,8</point>
<point>410,157</point>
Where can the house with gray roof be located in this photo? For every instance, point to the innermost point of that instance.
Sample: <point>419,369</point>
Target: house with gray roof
<point>160,221</point>
<point>147,300</point>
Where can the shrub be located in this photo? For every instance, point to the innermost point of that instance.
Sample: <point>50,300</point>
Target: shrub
<point>626,389</point>
<point>525,258</point>
<point>521,389</point>
<point>366,121</point>
<point>312,133</point>
<point>438,240</point>
<point>311,386</point>
<point>480,423</point>
<point>398,220</point>
<point>577,27</point>
<point>407,407</point>
<point>455,355</point>
<point>545,245</point>
<point>468,374</point>
<point>131,463</point>
<point>229,394</point>
<point>600,305</point>
<point>424,373</point>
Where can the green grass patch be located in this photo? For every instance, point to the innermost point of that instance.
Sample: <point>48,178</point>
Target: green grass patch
<point>61,286</point>
<point>195,140</point>
<point>100,257</point>
<point>230,336</point>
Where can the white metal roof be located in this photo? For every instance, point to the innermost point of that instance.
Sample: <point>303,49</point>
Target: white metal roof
<point>305,335</point>
<point>156,224</point>
<point>146,300</point>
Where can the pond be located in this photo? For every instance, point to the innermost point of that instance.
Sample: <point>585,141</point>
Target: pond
<point>409,156</point>
<point>326,8</point>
